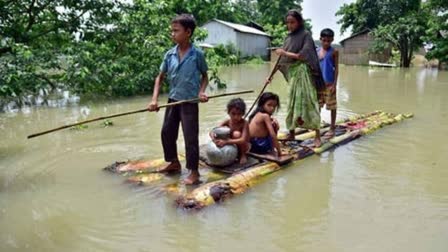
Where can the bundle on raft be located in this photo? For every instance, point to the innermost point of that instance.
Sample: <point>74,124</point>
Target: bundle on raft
<point>346,131</point>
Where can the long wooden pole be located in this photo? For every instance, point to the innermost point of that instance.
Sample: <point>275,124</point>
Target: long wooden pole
<point>134,112</point>
<point>265,85</point>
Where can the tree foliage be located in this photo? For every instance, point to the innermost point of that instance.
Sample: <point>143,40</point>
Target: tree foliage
<point>34,37</point>
<point>273,12</point>
<point>107,47</point>
<point>405,34</point>
<point>369,14</point>
<point>397,23</point>
<point>437,34</point>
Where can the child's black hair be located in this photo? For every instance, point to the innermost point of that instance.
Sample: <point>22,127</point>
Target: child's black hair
<point>295,14</point>
<point>186,20</point>
<point>237,103</point>
<point>327,33</point>
<point>263,99</point>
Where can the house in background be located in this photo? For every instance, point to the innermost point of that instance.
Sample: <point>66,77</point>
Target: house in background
<point>355,50</point>
<point>248,40</point>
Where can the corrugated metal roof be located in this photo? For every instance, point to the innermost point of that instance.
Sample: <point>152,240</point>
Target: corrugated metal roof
<point>242,28</point>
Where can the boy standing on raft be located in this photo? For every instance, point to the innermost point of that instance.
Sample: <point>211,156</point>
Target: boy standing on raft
<point>185,69</point>
<point>329,57</point>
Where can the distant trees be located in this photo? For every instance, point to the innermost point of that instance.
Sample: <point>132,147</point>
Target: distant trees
<point>437,34</point>
<point>397,23</point>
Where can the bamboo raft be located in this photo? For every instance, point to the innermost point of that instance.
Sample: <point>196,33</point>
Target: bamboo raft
<point>218,185</point>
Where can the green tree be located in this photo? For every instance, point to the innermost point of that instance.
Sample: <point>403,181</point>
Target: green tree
<point>369,14</point>
<point>35,36</point>
<point>206,10</point>
<point>273,12</point>
<point>272,18</point>
<point>405,34</point>
<point>359,16</point>
<point>122,60</point>
<point>397,23</point>
<point>246,11</point>
<point>437,34</point>
<point>91,47</point>
<point>105,47</point>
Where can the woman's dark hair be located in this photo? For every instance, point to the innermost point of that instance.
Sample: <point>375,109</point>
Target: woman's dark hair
<point>327,33</point>
<point>186,20</point>
<point>265,97</point>
<point>237,103</point>
<point>295,14</point>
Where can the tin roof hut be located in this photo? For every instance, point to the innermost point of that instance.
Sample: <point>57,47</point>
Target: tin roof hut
<point>248,40</point>
<point>355,49</point>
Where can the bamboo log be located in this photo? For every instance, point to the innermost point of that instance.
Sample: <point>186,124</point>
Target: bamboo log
<point>219,191</point>
<point>138,166</point>
<point>304,134</point>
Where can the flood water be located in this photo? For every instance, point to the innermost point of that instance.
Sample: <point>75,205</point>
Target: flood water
<point>387,191</point>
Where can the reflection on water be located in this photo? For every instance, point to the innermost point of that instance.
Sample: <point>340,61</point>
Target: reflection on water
<point>387,191</point>
<point>58,98</point>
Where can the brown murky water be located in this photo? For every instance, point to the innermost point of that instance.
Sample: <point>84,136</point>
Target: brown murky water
<point>385,192</point>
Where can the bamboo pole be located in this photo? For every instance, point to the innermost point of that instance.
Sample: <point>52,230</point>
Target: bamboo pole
<point>134,112</point>
<point>265,85</point>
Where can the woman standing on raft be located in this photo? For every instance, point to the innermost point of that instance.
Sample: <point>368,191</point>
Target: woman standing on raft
<point>299,65</point>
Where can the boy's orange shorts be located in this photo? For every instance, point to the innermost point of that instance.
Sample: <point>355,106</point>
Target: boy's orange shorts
<point>328,98</point>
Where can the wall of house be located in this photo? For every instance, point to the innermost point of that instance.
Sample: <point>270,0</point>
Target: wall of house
<point>355,51</point>
<point>253,45</point>
<point>219,34</point>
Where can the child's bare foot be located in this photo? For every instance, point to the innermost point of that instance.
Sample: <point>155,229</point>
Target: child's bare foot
<point>330,133</point>
<point>193,178</point>
<point>300,121</point>
<point>317,142</point>
<point>243,159</point>
<point>173,167</point>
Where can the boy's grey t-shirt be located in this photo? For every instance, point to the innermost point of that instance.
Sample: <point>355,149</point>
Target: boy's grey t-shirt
<point>184,77</point>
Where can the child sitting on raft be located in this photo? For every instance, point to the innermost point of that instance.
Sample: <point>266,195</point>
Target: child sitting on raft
<point>262,127</point>
<point>239,129</point>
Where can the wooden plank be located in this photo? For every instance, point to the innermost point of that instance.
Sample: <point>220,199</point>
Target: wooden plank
<point>236,167</point>
<point>282,160</point>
